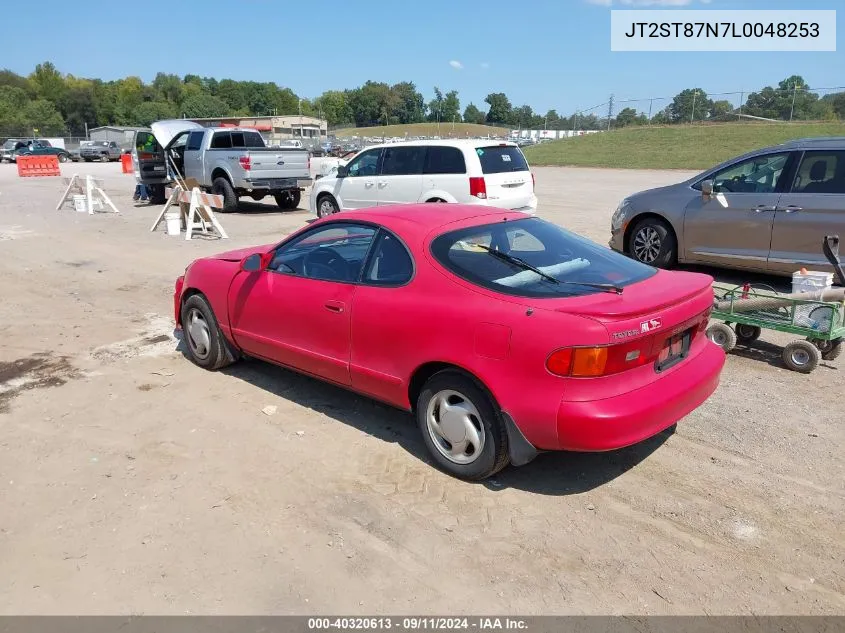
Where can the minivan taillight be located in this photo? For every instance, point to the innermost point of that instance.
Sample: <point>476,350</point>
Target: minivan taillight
<point>477,187</point>
<point>245,162</point>
<point>533,181</point>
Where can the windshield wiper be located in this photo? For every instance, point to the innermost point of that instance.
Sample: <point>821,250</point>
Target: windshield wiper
<point>518,261</point>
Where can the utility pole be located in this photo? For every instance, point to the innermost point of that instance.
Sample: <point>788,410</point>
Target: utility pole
<point>741,103</point>
<point>650,104</point>
<point>692,114</point>
<point>609,111</point>
<point>794,92</point>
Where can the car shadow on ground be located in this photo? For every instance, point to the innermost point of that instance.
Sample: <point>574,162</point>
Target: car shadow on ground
<point>554,473</point>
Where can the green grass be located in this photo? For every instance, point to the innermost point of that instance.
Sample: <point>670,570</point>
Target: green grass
<point>460,130</point>
<point>672,147</point>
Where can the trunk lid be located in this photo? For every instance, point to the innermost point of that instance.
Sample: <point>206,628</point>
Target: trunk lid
<point>507,178</point>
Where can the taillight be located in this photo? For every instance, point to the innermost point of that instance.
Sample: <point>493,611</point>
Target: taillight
<point>245,162</point>
<point>145,156</point>
<point>309,162</point>
<point>477,187</point>
<point>533,181</point>
<point>604,360</point>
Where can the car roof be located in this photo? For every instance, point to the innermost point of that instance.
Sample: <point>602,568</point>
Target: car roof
<point>460,143</point>
<point>423,218</point>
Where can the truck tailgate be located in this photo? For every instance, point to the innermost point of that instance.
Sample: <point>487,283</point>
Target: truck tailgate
<point>271,163</point>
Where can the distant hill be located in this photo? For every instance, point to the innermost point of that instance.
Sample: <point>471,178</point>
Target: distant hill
<point>672,147</point>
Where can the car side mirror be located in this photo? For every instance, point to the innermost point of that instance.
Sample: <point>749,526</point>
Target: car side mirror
<point>256,262</point>
<point>342,171</point>
<point>706,188</point>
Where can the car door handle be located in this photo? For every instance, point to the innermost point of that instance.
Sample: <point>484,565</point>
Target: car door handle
<point>334,306</point>
<point>792,208</point>
<point>760,208</point>
<point>368,184</point>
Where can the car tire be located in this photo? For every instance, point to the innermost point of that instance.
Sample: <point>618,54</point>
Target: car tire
<point>205,344</point>
<point>746,334</point>
<point>473,408</point>
<point>722,335</point>
<point>223,187</point>
<point>652,242</point>
<point>62,158</point>
<point>326,205</point>
<point>288,199</point>
<point>801,356</point>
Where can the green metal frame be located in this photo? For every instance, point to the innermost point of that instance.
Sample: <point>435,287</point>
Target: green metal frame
<point>784,319</point>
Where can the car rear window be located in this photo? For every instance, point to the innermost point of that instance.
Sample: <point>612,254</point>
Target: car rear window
<point>566,259</point>
<point>499,159</point>
<point>253,139</point>
<point>221,140</point>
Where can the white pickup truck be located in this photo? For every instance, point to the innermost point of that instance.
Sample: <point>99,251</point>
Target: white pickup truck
<point>232,162</point>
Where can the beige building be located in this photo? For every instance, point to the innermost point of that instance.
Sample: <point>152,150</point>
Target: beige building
<point>275,129</point>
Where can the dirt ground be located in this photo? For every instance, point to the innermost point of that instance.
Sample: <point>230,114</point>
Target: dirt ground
<point>133,482</point>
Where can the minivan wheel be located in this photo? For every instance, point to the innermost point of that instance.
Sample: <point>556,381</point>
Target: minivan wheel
<point>326,206</point>
<point>652,242</point>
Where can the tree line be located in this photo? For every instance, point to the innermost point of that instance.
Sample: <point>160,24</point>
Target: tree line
<point>48,102</point>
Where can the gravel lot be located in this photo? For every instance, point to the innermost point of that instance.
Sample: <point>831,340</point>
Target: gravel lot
<point>132,481</point>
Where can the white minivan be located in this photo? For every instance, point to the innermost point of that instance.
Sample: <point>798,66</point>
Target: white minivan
<point>476,171</point>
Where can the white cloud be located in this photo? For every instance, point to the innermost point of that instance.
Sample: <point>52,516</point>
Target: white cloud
<point>485,65</point>
<point>456,64</point>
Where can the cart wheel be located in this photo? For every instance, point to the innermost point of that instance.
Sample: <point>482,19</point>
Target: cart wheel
<point>722,335</point>
<point>801,356</point>
<point>830,350</point>
<point>746,334</point>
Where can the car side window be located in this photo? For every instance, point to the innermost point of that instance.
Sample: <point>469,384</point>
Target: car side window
<point>332,252</point>
<point>195,140</point>
<point>820,172</point>
<point>759,174</point>
<point>390,263</point>
<point>444,160</point>
<point>365,164</point>
<point>402,161</point>
<point>221,140</point>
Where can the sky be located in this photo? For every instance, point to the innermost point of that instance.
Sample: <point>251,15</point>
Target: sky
<point>545,53</point>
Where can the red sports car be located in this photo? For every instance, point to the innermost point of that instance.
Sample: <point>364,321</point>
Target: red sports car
<point>505,334</point>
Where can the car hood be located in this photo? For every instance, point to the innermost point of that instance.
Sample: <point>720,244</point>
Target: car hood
<point>238,254</point>
<point>164,131</point>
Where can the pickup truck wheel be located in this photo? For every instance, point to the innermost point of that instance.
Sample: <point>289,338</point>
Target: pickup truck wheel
<point>288,199</point>
<point>222,187</point>
<point>106,158</point>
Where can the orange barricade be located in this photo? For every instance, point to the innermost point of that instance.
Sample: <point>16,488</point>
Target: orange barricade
<point>126,162</point>
<point>38,166</point>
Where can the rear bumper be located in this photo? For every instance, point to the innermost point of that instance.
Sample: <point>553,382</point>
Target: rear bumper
<point>528,207</point>
<point>625,419</point>
<point>276,183</point>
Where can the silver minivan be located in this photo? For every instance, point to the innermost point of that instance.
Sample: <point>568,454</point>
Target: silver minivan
<point>766,211</point>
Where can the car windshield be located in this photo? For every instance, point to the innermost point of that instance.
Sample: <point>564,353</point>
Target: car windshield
<point>563,260</point>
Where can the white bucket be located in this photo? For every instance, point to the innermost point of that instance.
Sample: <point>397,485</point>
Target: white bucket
<point>174,223</point>
<point>811,281</point>
<point>80,203</point>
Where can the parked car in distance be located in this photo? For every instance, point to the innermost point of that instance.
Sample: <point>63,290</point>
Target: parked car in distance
<point>765,211</point>
<point>539,339</point>
<point>231,162</point>
<point>104,151</point>
<point>465,171</point>
<point>42,147</point>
